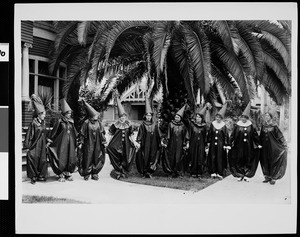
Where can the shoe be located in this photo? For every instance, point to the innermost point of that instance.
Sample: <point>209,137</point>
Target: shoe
<point>219,176</point>
<point>41,179</point>
<point>69,178</point>
<point>267,180</point>
<point>86,178</point>
<point>213,175</point>
<point>272,181</point>
<point>246,179</point>
<point>61,179</point>
<point>95,177</point>
<point>33,181</point>
<point>239,179</point>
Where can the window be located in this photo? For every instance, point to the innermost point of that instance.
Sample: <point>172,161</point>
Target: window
<point>40,77</point>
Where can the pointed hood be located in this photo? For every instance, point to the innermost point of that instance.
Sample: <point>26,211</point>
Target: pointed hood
<point>37,104</point>
<point>121,109</point>
<point>247,111</point>
<point>64,106</point>
<point>148,108</point>
<point>222,111</point>
<point>272,111</point>
<point>39,108</point>
<point>91,111</point>
<point>181,111</point>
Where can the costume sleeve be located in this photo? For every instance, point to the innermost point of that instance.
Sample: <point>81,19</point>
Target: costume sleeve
<point>102,130</point>
<point>232,136</point>
<point>168,133</point>
<point>29,136</point>
<point>187,136</point>
<point>256,138</point>
<point>205,136</point>
<point>226,134</point>
<point>261,135</point>
<point>54,131</point>
<point>140,134</point>
<point>130,130</point>
<point>280,136</point>
<point>209,132</point>
<point>83,131</point>
<point>112,130</point>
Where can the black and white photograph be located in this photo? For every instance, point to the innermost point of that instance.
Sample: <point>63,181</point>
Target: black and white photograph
<point>155,118</point>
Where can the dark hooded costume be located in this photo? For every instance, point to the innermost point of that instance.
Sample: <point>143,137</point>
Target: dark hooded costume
<point>121,149</point>
<point>244,141</point>
<point>198,139</point>
<point>177,138</point>
<point>35,141</point>
<point>62,150</point>
<point>273,156</point>
<point>149,139</point>
<point>217,138</point>
<point>92,136</point>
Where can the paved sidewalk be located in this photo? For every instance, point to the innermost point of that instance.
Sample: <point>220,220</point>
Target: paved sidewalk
<point>110,191</point>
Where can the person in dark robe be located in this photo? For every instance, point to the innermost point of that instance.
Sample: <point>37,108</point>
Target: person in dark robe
<point>273,157</point>
<point>244,142</point>
<point>149,141</point>
<point>162,127</point>
<point>197,144</point>
<point>92,140</point>
<point>62,144</point>
<point>35,143</point>
<point>177,141</point>
<point>121,148</point>
<point>218,142</point>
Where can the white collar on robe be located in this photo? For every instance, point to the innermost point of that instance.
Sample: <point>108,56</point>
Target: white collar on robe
<point>218,125</point>
<point>240,123</point>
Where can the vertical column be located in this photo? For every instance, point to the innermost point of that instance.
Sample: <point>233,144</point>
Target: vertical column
<point>262,98</point>
<point>25,72</point>
<point>36,77</point>
<point>281,118</point>
<point>56,93</point>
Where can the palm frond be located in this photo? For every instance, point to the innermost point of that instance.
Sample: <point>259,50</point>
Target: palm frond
<point>273,60</point>
<point>223,81</point>
<point>274,86</point>
<point>182,59</point>
<point>117,30</point>
<point>286,24</point>
<point>65,33</point>
<point>280,33</point>
<point>76,70</point>
<point>278,45</point>
<point>224,30</point>
<point>250,48</point>
<point>162,39</point>
<point>82,29</point>
<point>199,51</point>
<point>235,68</point>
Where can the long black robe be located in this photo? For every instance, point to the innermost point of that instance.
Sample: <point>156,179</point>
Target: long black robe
<point>35,142</point>
<point>92,136</point>
<point>121,149</point>
<point>148,154</point>
<point>177,137</point>
<point>244,156</point>
<point>198,141</point>
<point>273,157</point>
<point>217,157</point>
<point>62,151</point>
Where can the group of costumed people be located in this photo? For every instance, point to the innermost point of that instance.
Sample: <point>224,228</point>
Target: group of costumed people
<point>185,146</point>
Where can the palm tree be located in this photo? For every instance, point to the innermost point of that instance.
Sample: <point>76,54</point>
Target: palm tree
<point>185,58</point>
